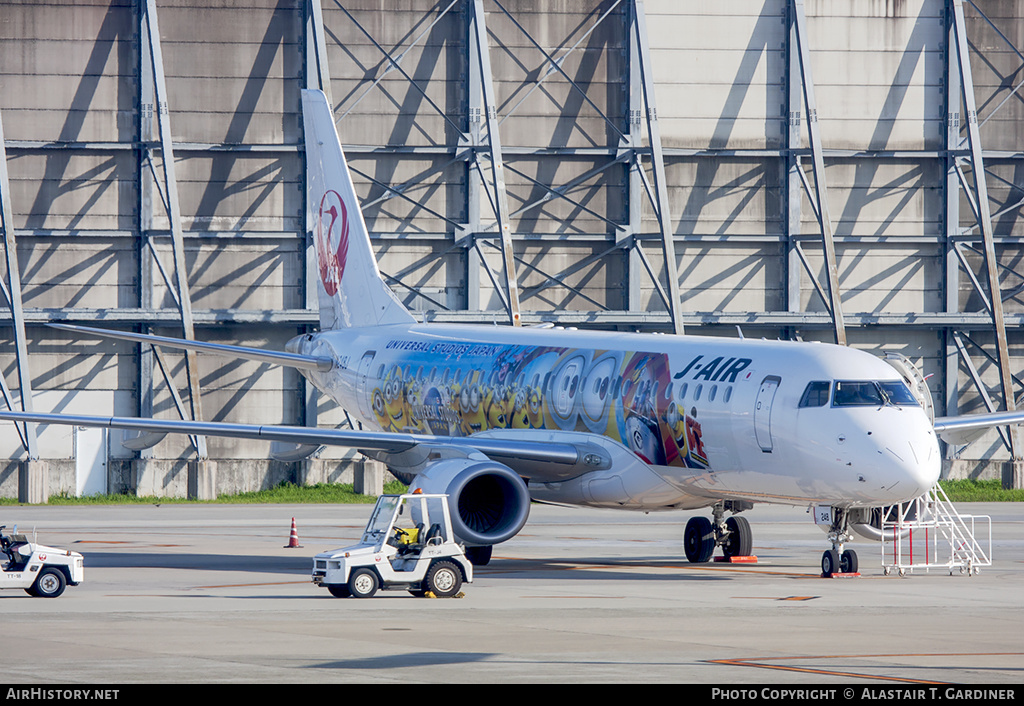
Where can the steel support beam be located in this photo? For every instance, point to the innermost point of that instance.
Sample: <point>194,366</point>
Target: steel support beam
<point>318,76</point>
<point>628,236</point>
<point>499,198</point>
<point>951,197</point>
<point>794,172</point>
<point>12,293</point>
<point>984,217</point>
<point>472,139</point>
<point>151,39</point>
<point>658,167</point>
<point>146,254</point>
<point>820,196</point>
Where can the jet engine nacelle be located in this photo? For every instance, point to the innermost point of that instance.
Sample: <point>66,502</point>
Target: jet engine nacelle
<point>867,522</point>
<point>489,502</point>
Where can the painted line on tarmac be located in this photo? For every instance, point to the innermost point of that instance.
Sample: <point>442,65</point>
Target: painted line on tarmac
<point>762,663</point>
<point>250,585</point>
<point>541,565</point>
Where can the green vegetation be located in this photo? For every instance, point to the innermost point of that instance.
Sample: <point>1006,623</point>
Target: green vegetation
<point>980,491</point>
<point>962,491</point>
<point>284,492</point>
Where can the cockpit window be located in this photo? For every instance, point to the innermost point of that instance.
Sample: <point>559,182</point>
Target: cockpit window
<point>857,394</point>
<point>898,394</point>
<point>815,394</point>
<point>873,393</point>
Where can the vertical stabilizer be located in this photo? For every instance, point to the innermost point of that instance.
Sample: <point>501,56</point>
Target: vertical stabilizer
<point>351,291</point>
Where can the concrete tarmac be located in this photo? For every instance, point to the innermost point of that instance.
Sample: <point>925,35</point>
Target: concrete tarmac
<point>210,594</point>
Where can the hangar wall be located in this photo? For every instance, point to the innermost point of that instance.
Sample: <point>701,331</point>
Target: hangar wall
<point>95,242</point>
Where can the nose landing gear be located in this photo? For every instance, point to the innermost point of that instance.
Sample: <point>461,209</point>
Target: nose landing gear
<point>838,560</point>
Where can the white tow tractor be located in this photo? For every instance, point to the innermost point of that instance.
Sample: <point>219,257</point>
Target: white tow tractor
<point>408,544</point>
<point>44,572</point>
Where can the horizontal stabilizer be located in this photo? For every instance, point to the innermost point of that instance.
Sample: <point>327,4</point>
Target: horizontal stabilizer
<point>293,360</point>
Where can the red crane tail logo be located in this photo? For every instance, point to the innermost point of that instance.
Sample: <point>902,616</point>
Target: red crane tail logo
<point>331,235</point>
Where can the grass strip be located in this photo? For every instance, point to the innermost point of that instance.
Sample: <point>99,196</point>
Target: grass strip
<point>959,491</point>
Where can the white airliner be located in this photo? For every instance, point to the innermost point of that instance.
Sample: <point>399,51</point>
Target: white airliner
<point>497,416</point>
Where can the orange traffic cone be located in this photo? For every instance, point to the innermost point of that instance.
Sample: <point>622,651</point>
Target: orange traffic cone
<point>293,540</point>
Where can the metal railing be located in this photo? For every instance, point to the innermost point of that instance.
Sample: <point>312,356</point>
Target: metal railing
<point>928,533</point>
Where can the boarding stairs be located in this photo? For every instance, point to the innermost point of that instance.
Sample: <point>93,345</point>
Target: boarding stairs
<point>928,533</point>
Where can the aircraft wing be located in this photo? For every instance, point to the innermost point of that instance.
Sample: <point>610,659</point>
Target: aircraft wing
<point>293,360</point>
<point>543,461</point>
<point>966,428</point>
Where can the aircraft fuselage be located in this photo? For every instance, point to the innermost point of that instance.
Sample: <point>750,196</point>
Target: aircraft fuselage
<point>689,420</point>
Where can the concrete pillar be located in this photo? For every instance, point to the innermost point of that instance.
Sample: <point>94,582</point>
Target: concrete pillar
<point>147,475</point>
<point>202,480</point>
<point>369,477</point>
<point>1013,474</point>
<point>33,482</point>
<point>307,472</point>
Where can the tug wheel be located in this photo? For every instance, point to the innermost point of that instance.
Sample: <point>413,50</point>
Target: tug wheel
<point>443,579</point>
<point>339,590</point>
<point>363,583</point>
<point>49,584</point>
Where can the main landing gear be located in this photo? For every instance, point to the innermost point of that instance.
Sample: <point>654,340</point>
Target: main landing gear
<point>733,535</point>
<point>838,560</point>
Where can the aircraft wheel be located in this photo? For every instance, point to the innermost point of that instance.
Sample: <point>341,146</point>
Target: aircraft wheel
<point>699,540</point>
<point>339,590</point>
<point>848,562</point>
<point>740,540</point>
<point>50,584</point>
<point>830,563</point>
<point>443,579</point>
<point>363,583</point>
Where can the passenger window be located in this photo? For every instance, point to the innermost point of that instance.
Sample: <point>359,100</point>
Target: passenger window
<point>815,394</point>
<point>728,394</point>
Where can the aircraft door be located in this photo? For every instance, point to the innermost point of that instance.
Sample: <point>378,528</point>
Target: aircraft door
<point>362,391</point>
<point>763,412</point>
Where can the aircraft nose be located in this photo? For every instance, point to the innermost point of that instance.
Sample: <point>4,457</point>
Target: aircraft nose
<point>917,466</point>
